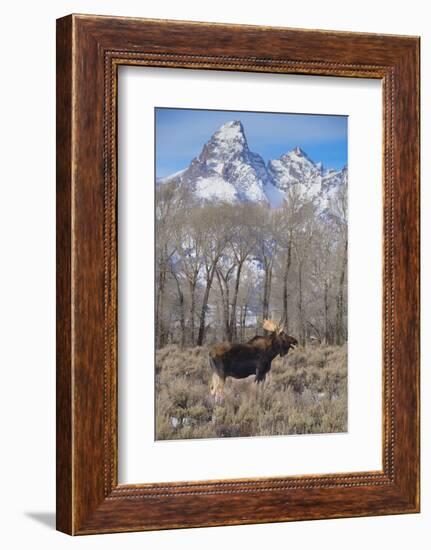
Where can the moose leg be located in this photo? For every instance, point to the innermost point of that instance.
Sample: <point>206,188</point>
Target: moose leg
<point>260,377</point>
<point>261,373</point>
<point>217,388</point>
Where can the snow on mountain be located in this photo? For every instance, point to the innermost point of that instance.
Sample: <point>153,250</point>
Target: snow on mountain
<point>333,182</point>
<point>214,187</point>
<point>171,177</point>
<point>296,169</point>
<point>333,179</point>
<point>296,172</point>
<point>226,170</point>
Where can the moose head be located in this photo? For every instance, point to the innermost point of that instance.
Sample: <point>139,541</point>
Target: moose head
<point>282,342</point>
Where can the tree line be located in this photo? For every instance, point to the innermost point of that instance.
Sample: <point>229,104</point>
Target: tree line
<point>222,268</point>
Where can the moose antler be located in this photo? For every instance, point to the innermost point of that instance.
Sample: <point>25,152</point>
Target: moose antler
<point>269,325</point>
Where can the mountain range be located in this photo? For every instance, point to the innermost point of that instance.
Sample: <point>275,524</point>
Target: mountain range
<point>226,170</point>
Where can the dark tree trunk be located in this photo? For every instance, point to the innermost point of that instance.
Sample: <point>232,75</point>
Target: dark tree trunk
<point>224,291</point>
<point>339,331</point>
<point>160,336</point>
<point>232,324</point>
<point>243,317</point>
<point>181,306</point>
<point>326,306</point>
<point>192,288</point>
<point>267,290</point>
<point>201,334</point>
<point>300,307</point>
<point>285,318</point>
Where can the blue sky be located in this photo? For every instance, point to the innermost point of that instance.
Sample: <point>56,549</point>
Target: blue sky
<point>181,134</point>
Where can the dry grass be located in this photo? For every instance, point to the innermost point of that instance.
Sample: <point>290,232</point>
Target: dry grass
<point>305,392</point>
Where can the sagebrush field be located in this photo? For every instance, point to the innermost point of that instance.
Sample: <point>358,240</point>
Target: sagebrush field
<point>305,393</point>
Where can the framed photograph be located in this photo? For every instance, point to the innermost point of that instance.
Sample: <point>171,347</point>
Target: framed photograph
<point>237,274</point>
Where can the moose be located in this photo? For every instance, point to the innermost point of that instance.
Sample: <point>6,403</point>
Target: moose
<point>253,357</point>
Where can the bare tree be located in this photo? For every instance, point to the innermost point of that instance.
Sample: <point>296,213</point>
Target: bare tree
<point>190,247</point>
<point>245,235</point>
<point>289,262</point>
<point>266,250</point>
<point>224,272</point>
<point>340,209</point>
<point>301,248</point>
<point>181,302</point>
<point>289,221</point>
<point>247,295</point>
<point>166,208</point>
<point>214,243</point>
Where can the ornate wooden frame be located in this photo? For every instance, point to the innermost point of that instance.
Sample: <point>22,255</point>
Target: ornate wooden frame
<point>89,51</point>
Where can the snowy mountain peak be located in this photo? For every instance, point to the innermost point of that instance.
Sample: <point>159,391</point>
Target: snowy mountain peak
<point>231,129</point>
<point>227,143</point>
<point>297,155</point>
<point>293,168</point>
<point>227,171</point>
